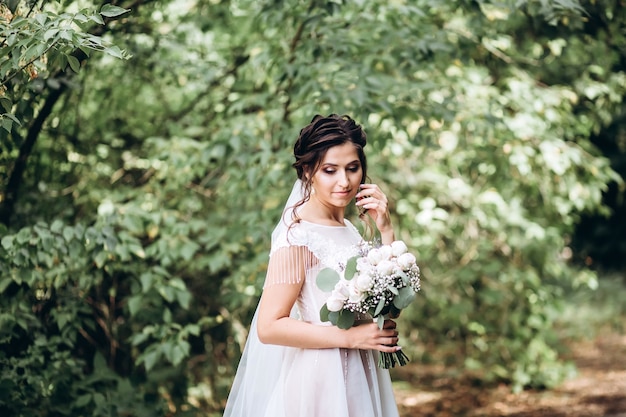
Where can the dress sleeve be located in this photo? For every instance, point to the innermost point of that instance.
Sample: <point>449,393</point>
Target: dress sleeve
<point>288,265</point>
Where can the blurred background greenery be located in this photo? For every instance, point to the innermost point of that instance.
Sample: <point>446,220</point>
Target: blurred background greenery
<point>145,151</point>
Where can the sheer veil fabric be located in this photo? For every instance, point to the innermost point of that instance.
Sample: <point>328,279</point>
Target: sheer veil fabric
<point>280,381</point>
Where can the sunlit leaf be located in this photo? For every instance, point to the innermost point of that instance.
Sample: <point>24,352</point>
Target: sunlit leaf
<point>109,10</point>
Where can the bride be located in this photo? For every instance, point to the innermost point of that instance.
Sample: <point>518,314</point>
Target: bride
<point>294,365</point>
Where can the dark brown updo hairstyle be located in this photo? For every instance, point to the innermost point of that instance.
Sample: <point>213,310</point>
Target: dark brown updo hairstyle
<point>314,141</point>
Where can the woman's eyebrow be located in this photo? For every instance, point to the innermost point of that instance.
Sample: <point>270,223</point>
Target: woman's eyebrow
<point>356,161</point>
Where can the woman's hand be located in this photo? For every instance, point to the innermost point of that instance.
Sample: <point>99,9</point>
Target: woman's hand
<point>372,199</point>
<point>369,336</point>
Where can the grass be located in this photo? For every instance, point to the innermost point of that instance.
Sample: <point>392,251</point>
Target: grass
<point>588,311</point>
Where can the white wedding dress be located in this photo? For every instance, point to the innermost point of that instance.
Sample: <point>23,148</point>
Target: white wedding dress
<point>279,381</point>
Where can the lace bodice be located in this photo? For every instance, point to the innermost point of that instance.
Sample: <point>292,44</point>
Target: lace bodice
<point>330,244</point>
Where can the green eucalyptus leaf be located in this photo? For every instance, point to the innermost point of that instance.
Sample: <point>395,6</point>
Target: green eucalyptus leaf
<point>405,297</point>
<point>333,317</point>
<point>379,306</point>
<point>346,319</point>
<point>324,312</point>
<point>350,268</point>
<point>326,279</point>
<point>380,321</point>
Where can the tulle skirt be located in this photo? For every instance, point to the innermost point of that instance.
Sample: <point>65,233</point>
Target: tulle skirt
<point>278,381</point>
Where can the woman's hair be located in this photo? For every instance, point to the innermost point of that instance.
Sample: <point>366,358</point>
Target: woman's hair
<point>314,141</point>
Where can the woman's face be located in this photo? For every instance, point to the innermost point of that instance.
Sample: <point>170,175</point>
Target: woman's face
<point>337,180</point>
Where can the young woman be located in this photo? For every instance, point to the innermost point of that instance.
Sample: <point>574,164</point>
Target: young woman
<point>293,364</point>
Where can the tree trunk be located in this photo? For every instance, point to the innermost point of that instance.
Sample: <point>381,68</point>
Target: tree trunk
<point>17,174</point>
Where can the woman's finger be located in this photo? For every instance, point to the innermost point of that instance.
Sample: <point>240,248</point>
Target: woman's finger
<point>389,324</point>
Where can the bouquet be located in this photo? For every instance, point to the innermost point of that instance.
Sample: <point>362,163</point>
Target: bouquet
<point>380,281</point>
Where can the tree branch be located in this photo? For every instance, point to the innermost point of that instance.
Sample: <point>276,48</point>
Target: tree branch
<point>17,174</point>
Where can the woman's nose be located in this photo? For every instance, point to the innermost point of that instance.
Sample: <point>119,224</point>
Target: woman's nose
<point>343,179</point>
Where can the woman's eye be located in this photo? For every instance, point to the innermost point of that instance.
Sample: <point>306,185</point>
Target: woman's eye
<point>349,169</point>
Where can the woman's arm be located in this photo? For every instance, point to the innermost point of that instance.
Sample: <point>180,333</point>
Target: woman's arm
<point>274,326</point>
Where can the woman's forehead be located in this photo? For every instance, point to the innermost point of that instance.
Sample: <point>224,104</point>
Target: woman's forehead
<point>341,154</point>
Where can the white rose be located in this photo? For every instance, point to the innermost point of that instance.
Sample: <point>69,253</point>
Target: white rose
<point>363,265</point>
<point>334,304</point>
<point>356,295</point>
<point>341,290</point>
<point>398,248</point>
<point>406,260</point>
<point>385,251</point>
<point>374,256</point>
<point>364,282</point>
<point>385,267</point>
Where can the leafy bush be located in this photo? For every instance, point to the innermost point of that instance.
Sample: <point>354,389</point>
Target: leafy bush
<point>63,326</point>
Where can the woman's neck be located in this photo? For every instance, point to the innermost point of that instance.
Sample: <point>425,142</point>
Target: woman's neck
<point>315,212</point>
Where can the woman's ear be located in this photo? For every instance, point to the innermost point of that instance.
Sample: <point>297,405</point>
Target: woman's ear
<point>307,175</point>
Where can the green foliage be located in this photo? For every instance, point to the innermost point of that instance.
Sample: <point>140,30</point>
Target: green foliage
<point>63,324</point>
<point>133,257</point>
<point>499,184</point>
<point>37,43</point>
<point>327,279</point>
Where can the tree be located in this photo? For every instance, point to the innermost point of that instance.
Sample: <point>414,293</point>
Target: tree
<point>40,51</point>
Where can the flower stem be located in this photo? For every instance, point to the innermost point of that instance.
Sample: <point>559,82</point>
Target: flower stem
<point>388,360</point>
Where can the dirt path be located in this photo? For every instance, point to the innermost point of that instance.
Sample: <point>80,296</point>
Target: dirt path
<point>599,389</point>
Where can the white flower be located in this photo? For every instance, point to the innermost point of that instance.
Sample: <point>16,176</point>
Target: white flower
<point>333,303</point>
<point>341,290</point>
<point>364,282</point>
<point>374,256</point>
<point>406,260</point>
<point>338,296</point>
<point>385,251</point>
<point>398,248</point>
<point>363,265</point>
<point>385,267</point>
<point>356,295</point>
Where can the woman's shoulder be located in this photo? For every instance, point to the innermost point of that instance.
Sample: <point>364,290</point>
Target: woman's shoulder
<point>294,234</point>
